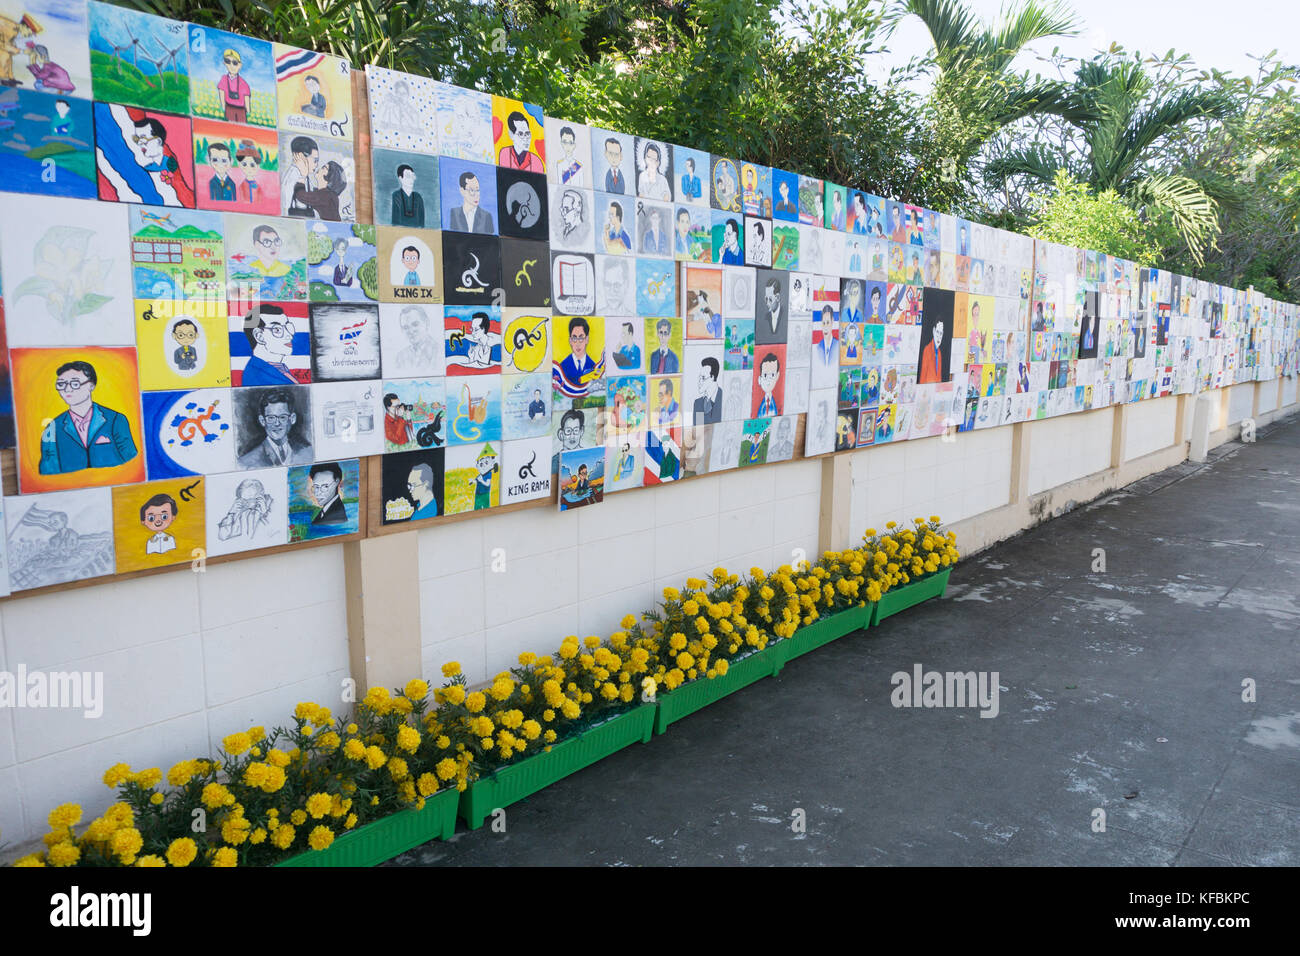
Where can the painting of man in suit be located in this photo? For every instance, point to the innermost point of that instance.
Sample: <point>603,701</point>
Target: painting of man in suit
<point>87,435</point>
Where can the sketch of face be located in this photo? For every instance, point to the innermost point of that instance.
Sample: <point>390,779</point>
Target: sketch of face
<point>268,244</point>
<point>407,180</point>
<point>706,381</point>
<point>567,142</point>
<point>276,337</point>
<point>185,334</point>
<point>613,219</point>
<point>730,237</point>
<point>276,420</point>
<point>854,295</point>
<point>783,431</point>
<point>772,296</point>
<point>571,210</point>
<point>232,62</point>
<point>838,202</point>
<point>652,161</point>
<point>615,282</point>
<point>570,434</point>
<point>415,325</point>
<point>785,191</point>
<point>654,221</point>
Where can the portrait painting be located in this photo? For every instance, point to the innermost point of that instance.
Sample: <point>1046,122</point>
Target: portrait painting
<point>654,169</point>
<point>317,177</point>
<point>625,460</point>
<point>472,339</point>
<point>518,135</point>
<point>410,264</point>
<point>246,510</point>
<point>342,262</point>
<point>182,344</point>
<point>232,77</point>
<point>77,412</point>
<point>785,195</point>
<point>525,406</point>
<point>692,234</point>
<point>625,347</point>
<point>51,50</point>
<point>403,110</point>
<point>653,229</point>
<point>728,238</point>
<point>143,156</point>
<point>314,91</point>
<point>270,344</point>
<point>236,168</point>
<point>724,178</point>
<point>581,477</point>
<point>572,219</point>
<point>691,176</point>
<point>273,426</point>
<point>616,290</point>
<point>612,162</point>
<point>702,302</point>
<point>158,523</point>
<point>464,123</point>
<point>324,499</point>
<point>569,146</point>
<point>406,189</point>
<point>266,260</point>
<point>578,356</point>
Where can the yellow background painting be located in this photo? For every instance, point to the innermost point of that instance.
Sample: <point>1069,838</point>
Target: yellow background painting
<point>293,66</point>
<point>37,403</point>
<point>131,538</point>
<point>158,345</point>
<point>502,107</point>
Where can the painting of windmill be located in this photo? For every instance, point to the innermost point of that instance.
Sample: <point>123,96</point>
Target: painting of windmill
<point>139,60</point>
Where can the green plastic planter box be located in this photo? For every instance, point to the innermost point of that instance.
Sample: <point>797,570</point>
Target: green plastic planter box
<point>388,836</point>
<point>823,631</point>
<point>688,698</point>
<point>513,782</point>
<point>909,595</point>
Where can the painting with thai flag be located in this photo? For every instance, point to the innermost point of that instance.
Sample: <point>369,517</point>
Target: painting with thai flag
<point>143,157</point>
<point>345,341</point>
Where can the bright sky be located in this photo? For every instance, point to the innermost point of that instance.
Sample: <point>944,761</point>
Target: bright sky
<point>1216,33</point>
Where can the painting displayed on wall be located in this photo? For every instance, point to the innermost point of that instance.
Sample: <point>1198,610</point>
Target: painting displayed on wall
<point>344,341</point>
<point>625,351</point>
<point>48,47</point>
<point>692,176</point>
<point>569,146</point>
<point>236,168</point>
<point>317,177</point>
<point>724,452</point>
<point>266,259</point>
<point>768,398</point>
<point>58,537</point>
<point>692,234</point>
<point>346,419</point>
<point>702,383</point>
<point>468,196</point>
<point>246,510</point>
<point>324,499</point>
<point>525,471</point>
<point>724,179</point>
<point>412,485</point>
<point>58,389</point>
<point>342,262</point>
<point>138,59</point>
<point>702,303</point>
<point>727,239</point>
<point>697,448</point>
<point>577,423</point>
<point>177,255</point>
<point>785,195</point>
<point>314,92</point>
<point>411,340</point>
<point>182,345</point>
<point>518,135</point>
<point>464,123</point>
<point>578,358</point>
<point>656,288</point>
<point>1090,328</point>
<point>472,479</point>
<point>47,144</point>
<point>624,461</point>
<point>627,407</point>
<point>143,156</point>
<point>410,264</point>
<point>572,225</point>
<point>415,412</point>
<point>652,229</point>
<point>755,439</point>
<point>527,279</point>
<point>664,342</point>
<point>472,339</point>
<point>66,278</point>
<point>654,169</point>
<point>473,409</point>
<point>472,266</point>
<point>158,523</point>
<point>573,283</point>
<point>664,394</point>
<point>406,189</point>
<point>232,77</point>
<point>936,337</point>
<point>521,204</point>
<point>273,425</point>
<point>525,340</point>
<point>758,241</point>
<point>403,110</point>
<point>525,406</point>
<point>612,163</point>
<point>581,477</point>
<point>188,432</point>
<point>663,455</point>
<point>616,290</point>
<point>270,344</point>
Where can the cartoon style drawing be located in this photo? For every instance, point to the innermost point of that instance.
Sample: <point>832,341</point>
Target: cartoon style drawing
<point>143,157</point>
<point>87,435</point>
<point>578,373</point>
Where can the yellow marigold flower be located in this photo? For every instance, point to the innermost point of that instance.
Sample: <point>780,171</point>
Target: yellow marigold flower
<point>350,822</point>
<point>116,775</point>
<point>628,622</point>
<point>283,836</point>
<point>375,758</point>
<point>570,709</point>
<point>445,768</point>
<point>236,743</point>
<point>216,795</point>
<point>257,836</point>
<point>397,768</point>
<point>226,857</point>
<point>671,594</point>
<point>181,773</point>
<point>416,689</point>
<point>691,607</point>
<point>427,784</point>
<point>608,691</point>
<point>182,852</point>
<point>548,715</point>
<point>625,693</point>
<point>149,778</point>
<point>65,815</point>
<point>442,742</point>
<point>151,860</point>
<point>318,805</point>
<point>354,749</point>
<point>64,854</point>
<point>408,739</point>
<point>475,702</point>
<point>30,860</point>
<point>298,817</point>
<point>702,625</point>
<point>455,694</point>
<point>685,661</point>
<point>320,837</point>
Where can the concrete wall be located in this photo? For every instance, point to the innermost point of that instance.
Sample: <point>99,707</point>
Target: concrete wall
<point>188,658</point>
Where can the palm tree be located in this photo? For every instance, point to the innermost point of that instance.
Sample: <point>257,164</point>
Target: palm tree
<point>1122,123</point>
<point>975,91</point>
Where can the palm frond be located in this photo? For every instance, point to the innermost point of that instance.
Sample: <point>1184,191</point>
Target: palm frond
<point>1190,209</point>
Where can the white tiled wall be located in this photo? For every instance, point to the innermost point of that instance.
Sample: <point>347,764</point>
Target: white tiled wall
<point>497,586</point>
<point>1069,447</point>
<point>186,658</point>
<point>1289,391</point>
<point>1241,398</point>
<point>1150,426</point>
<point>1267,396</point>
